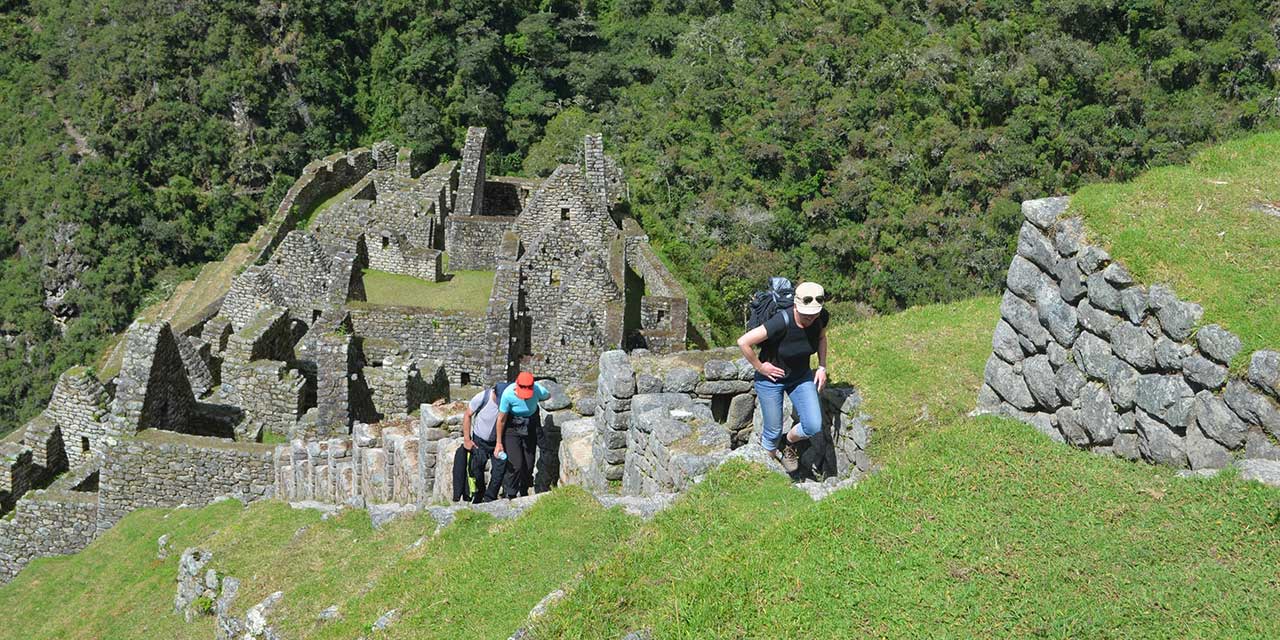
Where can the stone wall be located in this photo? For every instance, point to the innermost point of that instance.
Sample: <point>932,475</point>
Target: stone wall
<point>394,462</point>
<point>471,178</point>
<point>457,338</point>
<point>159,469</point>
<point>392,253</point>
<point>662,419</point>
<point>320,180</point>
<point>400,385</point>
<point>46,523</point>
<point>664,307</point>
<point>152,391</point>
<point>472,242</point>
<point>1091,357</point>
<point>79,408</point>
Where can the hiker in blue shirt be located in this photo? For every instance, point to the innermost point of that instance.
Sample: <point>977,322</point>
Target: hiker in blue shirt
<point>517,433</point>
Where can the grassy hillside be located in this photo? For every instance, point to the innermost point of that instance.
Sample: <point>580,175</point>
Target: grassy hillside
<point>976,527</point>
<point>1211,229</point>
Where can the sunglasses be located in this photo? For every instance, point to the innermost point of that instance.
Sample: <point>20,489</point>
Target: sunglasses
<point>524,386</point>
<point>812,299</point>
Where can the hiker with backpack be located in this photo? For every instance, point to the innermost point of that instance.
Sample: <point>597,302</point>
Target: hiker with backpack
<point>479,441</point>
<point>789,327</point>
<point>517,432</point>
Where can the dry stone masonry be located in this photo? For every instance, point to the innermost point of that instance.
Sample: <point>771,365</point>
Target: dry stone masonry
<point>1091,357</point>
<point>292,350</point>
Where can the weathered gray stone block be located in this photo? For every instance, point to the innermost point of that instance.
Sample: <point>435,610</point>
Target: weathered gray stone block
<point>1203,372</point>
<point>1116,274</point>
<point>646,383</point>
<point>720,370</point>
<point>1096,320</point>
<point>1044,212</point>
<point>1252,406</point>
<point>1069,380</point>
<point>1203,452</point>
<point>559,398</point>
<point>1126,446</point>
<point>1040,379</point>
<point>1093,259</point>
<point>1093,355</point>
<point>1005,343</point>
<point>1071,428</point>
<point>1025,278</point>
<point>1218,343</point>
<point>1134,303</point>
<point>1158,443</point>
<point>616,376</point>
<point>716,387</point>
<point>1177,318</point>
<point>1034,246</point>
<point>1023,318</point>
<point>1170,354</point>
<point>1068,236</point>
<point>1257,445</point>
<point>1132,344</point>
<point>1166,397</point>
<point>681,380</point>
<point>1123,383</point>
<point>1057,316</point>
<point>1264,371</point>
<point>1102,294</point>
<point>1071,283</point>
<point>1217,421</point>
<point>1008,383</point>
<point>1265,471</point>
<point>1097,414</point>
<point>1058,355</point>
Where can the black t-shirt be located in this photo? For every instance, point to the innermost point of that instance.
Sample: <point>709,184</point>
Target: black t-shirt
<point>790,347</point>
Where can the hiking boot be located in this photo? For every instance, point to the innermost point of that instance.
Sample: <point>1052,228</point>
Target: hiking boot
<point>790,458</point>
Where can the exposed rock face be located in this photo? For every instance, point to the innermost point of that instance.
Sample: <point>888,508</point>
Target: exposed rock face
<point>1089,356</point>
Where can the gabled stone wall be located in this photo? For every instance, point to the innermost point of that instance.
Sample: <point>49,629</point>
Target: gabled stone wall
<point>1091,357</point>
<point>471,172</point>
<point>457,338</point>
<point>473,242</point>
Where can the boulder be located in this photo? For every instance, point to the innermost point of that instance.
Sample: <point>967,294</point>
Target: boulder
<point>1093,355</point>
<point>1071,428</point>
<point>1007,382</point>
<point>1023,318</point>
<point>1069,380</point>
<point>1096,320</point>
<point>1203,452</point>
<point>558,398</point>
<point>1158,443</point>
<point>1203,372</point>
<point>1071,285</point>
<point>1132,344</point>
<point>1177,318</point>
<point>1264,371</point>
<point>1217,343</point>
<point>1093,259</point>
<point>1034,246</point>
<point>1166,397</point>
<point>1057,316</point>
<point>1123,383</point>
<point>1133,301</point>
<point>1098,415</point>
<point>1068,236</point>
<point>1252,406</point>
<point>681,380</point>
<point>646,383</point>
<point>616,377</point>
<point>1044,212</point>
<point>1217,421</point>
<point>720,370</point>
<point>1038,374</point>
<point>1103,294</point>
<point>1025,278</point>
<point>1005,343</point>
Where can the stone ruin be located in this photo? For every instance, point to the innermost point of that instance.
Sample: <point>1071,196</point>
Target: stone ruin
<point>293,352</point>
<point>1092,358</point>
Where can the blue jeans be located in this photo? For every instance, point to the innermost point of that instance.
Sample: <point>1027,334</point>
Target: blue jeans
<point>804,396</point>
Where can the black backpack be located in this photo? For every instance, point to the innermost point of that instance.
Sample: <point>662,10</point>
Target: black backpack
<point>767,303</point>
<point>497,393</point>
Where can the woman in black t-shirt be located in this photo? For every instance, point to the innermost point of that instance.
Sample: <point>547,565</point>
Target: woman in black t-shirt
<point>788,342</point>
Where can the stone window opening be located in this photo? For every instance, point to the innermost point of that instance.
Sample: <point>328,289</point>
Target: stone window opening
<point>553,278</point>
<point>464,378</point>
<point>385,242</point>
<point>662,314</point>
<point>720,406</point>
<point>84,444</point>
<point>564,213</point>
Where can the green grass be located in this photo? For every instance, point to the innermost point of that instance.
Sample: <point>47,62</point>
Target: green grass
<point>1197,228</point>
<point>465,291</point>
<point>445,586</point>
<point>975,528</point>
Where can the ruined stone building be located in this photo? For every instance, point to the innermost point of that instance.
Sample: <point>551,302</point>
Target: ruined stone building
<point>289,346</point>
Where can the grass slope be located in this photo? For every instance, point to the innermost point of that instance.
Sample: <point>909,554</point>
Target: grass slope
<point>1203,228</point>
<point>976,527</point>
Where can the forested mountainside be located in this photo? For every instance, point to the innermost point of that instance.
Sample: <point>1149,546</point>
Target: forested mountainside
<point>879,147</point>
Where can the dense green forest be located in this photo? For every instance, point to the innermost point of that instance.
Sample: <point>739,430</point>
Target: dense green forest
<point>878,147</point>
